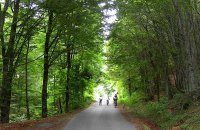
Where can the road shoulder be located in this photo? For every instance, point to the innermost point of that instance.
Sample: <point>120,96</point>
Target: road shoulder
<point>141,123</point>
<point>49,123</point>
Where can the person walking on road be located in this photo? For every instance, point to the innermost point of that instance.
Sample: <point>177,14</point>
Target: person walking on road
<point>108,100</point>
<point>100,100</point>
<point>115,98</point>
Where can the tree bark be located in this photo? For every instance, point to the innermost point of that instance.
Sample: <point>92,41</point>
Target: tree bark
<point>68,63</point>
<point>26,75</point>
<point>187,68</point>
<point>60,105</point>
<point>2,21</point>
<point>8,67</point>
<point>129,85</point>
<point>46,66</point>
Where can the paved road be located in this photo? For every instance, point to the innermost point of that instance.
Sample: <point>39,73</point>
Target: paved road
<point>99,118</point>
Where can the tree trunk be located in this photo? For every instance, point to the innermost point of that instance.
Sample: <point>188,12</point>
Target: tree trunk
<point>82,94</point>
<point>46,65</point>
<point>188,68</point>
<point>2,21</point>
<point>8,68</point>
<point>60,105</point>
<point>158,87</point>
<point>68,77</point>
<point>26,74</point>
<point>129,85</point>
<point>191,51</point>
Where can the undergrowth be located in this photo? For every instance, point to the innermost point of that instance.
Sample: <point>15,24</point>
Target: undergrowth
<point>167,114</point>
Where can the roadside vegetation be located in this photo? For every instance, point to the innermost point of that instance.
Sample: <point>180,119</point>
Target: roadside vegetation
<point>50,57</point>
<point>154,59</point>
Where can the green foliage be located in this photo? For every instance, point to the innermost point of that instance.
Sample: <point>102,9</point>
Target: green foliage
<point>192,122</point>
<point>179,101</point>
<point>149,55</point>
<point>149,60</point>
<point>135,98</point>
<point>17,117</point>
<point>159,113</point>
<point>76,26</point>
<point>146,127</point>
<point>155,110</point>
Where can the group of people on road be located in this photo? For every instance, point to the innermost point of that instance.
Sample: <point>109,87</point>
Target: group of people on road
<point>115,98</point>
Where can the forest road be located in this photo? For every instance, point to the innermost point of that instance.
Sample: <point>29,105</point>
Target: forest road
<point>99,118</point>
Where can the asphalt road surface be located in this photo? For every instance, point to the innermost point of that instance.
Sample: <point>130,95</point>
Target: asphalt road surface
<point>99,118</point>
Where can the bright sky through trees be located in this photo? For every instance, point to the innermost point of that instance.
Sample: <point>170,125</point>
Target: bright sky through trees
<point>109,18</point>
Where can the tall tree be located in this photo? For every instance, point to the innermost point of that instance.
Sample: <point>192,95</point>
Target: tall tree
<point>46,64</point>
<point>8,66</point>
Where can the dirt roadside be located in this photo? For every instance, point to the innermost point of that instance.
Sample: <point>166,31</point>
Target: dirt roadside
<point>138,121</point>
<point>50,123</point>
